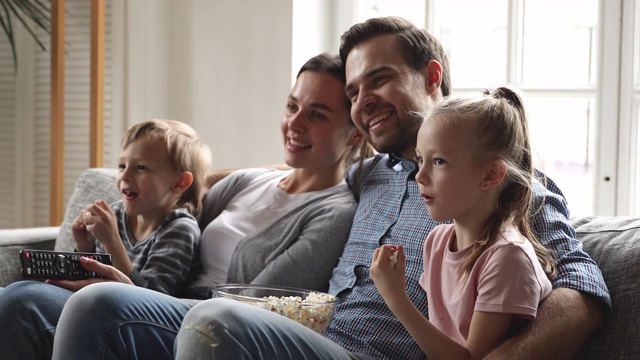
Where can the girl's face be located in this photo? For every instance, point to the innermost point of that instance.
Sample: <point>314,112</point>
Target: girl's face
<point>449,176</point>
<point>316,128</point>
<point>146,179</point>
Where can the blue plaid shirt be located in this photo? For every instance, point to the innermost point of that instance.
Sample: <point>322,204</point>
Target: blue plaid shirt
<point>391,211</point>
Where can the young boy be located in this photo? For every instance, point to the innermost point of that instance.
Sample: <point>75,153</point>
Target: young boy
<point>152,233</point>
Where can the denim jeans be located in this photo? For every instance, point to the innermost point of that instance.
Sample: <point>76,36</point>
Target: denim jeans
<point>102,321</point>
<point>227,329</point>
<point>29,311</point>
<point>118,321</point>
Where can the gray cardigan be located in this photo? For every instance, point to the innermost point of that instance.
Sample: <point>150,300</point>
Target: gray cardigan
<point>300,249</point>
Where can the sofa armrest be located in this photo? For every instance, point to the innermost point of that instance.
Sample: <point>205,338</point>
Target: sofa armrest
<point>614,244</point>
<point>14,240</point>
<point>93,184</point>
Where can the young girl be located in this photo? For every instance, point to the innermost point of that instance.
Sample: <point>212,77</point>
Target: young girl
<point>151,234</point>
<point>485,273</point>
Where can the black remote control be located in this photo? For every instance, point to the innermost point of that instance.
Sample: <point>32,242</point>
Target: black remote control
<point>46,264</point>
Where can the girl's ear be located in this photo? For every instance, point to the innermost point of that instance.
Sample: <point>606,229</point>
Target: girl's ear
<point>184,181</point>
<point>494,175</point>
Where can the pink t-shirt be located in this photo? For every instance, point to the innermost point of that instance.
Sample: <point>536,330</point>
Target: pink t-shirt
<point>507,278</point>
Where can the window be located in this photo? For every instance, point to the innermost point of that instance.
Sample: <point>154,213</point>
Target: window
<point>552,51</point>
<point>25,117</point>
<point>551,56</point>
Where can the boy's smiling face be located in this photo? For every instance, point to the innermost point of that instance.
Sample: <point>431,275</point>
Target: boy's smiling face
<point>146,178</point>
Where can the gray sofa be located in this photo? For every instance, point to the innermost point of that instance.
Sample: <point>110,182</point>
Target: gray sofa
<point>613,242</point>
<point>93,184</point>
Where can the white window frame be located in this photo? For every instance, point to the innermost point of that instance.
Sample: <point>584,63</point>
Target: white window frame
<point>627,145</point>
<point>613,185</point>
<point>616,98</point>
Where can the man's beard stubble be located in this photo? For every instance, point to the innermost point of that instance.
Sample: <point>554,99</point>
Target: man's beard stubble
<point>402,140</point>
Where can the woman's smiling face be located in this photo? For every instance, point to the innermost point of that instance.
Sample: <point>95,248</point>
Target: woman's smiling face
<point>316,125</point>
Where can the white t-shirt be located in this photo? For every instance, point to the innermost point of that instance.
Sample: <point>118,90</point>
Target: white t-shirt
<point>253,208</point>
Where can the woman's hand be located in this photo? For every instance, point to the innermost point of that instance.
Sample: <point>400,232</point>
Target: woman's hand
<point>108,272</point>
<point>388,276</point>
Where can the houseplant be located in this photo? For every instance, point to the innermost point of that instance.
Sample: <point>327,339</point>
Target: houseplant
<point>32,14</point>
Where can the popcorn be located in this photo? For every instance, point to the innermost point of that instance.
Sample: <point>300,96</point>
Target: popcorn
<point>393,258</point>
<point>85,215</point>
<point>313,312</point>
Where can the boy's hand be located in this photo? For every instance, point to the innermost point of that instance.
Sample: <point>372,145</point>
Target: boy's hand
<point>102,224</point>
<point>85,242</point>
<point>108,272</point>
<point>388,276</point>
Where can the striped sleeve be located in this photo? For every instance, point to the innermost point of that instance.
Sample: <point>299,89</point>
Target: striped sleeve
<point>168,259</point>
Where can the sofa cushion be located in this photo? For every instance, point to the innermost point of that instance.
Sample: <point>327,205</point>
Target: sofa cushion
<point>93,184</point>
<point>14,240</point>
<point>614,243</point>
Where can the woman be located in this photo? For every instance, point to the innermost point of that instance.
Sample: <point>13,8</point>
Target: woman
<point>314,214</point>
<point>312,203</point>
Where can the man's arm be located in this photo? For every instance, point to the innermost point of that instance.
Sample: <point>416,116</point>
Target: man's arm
<point>576,307</point>
<point>565,321</point>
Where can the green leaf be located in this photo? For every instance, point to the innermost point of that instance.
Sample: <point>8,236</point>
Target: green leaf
<point>32,14</point>
<point>6,26</point>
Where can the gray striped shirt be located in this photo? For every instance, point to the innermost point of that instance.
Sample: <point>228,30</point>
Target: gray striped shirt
<point>168,258</point>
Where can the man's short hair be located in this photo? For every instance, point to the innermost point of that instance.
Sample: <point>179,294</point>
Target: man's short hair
<point>418,45</point>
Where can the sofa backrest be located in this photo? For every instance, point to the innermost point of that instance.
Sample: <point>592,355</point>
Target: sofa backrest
<point>614,244</point>
<point>93,184</point>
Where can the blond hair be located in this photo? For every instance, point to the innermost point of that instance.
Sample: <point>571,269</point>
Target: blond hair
<point>187,152</point>
<point>500,126</point>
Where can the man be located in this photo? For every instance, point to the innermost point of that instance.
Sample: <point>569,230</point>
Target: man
<point>394,69</point>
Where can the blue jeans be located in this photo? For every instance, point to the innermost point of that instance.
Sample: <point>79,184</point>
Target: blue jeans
<point>29,311</point>
<point>227,329</point>
<point>101,321</point>
<point>118,321</point>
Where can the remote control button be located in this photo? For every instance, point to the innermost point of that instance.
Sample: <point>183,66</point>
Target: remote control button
<point>62,264</point>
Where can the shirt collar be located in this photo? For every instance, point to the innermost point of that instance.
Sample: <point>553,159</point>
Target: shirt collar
<point>398,164</point>
<point>393,161</point>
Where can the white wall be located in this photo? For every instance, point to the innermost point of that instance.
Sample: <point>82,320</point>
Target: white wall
<point>222,66</point>
<point>317,26</point>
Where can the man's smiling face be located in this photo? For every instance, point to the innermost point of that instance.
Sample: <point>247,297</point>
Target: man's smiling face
<point>384,91</point>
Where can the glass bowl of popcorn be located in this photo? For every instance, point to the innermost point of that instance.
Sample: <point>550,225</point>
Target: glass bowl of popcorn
<point>310,308</point>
